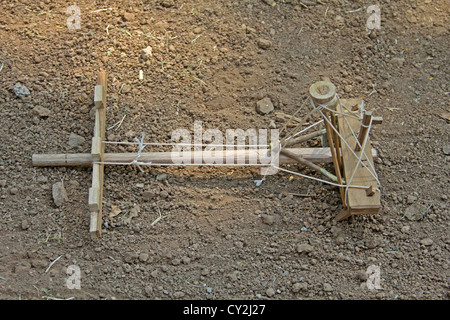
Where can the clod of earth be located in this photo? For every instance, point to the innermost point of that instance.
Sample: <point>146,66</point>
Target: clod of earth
<point>41,111</point>
<point>304,248</point>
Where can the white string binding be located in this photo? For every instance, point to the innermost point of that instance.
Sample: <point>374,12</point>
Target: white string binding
<point>141,147</point>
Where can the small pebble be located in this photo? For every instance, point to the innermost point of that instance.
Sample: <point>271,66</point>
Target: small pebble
<point>21,90</point>
<point>270,292</point>
<point>263,43</point>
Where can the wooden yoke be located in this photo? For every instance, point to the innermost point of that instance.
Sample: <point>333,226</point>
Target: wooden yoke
<point>359,201</point>
<point>352,167</point>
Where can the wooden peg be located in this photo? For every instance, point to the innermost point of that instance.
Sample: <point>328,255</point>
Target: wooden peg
<point>367,118</point>
<point>370,192</point>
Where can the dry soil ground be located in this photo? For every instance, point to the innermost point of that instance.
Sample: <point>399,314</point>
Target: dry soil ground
<point>221,237</point>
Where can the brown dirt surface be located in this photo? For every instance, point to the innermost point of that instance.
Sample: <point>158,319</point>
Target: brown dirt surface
<point>220,236</point>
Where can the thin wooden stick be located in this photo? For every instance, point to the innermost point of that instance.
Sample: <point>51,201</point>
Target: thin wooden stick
<point>52,263</point>
<point>284,115</point>
<point>309,164</point>
<point>334,153</point>
<point>304,138</point>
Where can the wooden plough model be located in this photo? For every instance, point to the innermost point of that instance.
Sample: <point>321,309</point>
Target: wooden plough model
<point>347,132</point>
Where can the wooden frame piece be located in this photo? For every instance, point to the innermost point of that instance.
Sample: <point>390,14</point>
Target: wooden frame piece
<point>97,153</point>
<point>360,201</point>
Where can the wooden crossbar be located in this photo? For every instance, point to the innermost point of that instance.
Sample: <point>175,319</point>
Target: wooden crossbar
<point>97,154</point>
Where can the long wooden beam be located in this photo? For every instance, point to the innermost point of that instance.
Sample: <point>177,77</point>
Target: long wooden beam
<point>315,155</point>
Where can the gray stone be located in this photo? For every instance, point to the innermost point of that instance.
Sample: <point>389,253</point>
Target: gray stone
<point>148,291</point>
<point>59,194</point>
<point>411,199</point>
<point>270,292</point>
<point>148,195</point>
<point>130,257</point>
<point>21,90</point>
<point>143,257</point>
<point>426,242</point>
<point>373,242</point>
<point>327,287</point>
<point>299,286</point>
<point>25,225</point>
<point>263,43</point>
<point>161,177</point>
<point>130,134</point>
<point>42,179</point>
<point>264,106</point>
<point>361,275</point>
<point>75,140</point>
<point>178,294</point>
<point>446,149</point>
<point>268,219</point>
<point>176,262</point>
<point>186,260</point>
<point>398,61</point>
<point>304,248</point>
<point>406,229</point>
<point>340,239</point>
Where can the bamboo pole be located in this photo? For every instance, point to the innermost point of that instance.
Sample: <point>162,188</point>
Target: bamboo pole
<point>315,155</point>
